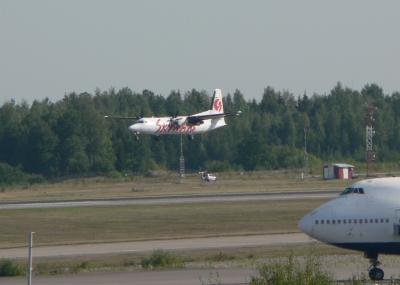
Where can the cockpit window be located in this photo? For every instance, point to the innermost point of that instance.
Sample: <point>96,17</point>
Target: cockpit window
<point>347,191</point>
<point>352,190</point>
<point>141,121</point>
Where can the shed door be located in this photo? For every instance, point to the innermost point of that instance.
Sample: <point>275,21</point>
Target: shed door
<point>345,173</point>
<point>326,173</point>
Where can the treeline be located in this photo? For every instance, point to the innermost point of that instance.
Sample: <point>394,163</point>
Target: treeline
<point>70,137</point>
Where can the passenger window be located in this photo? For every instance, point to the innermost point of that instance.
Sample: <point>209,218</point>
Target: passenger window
<point>316,222</point>
<point>333,222</point>
<point>322,222</point>
<point>361,190</point>
<point>387,220</point>
<point>381,220</point>
<point>349,221</point>
<point>339,221</point>
<point>327,221</point>
<point>366,221</point>
<point>360,221</point>
<point>376,221</point>
<point>344,221</point>
<point>371,221</point>
<point>355,221</point>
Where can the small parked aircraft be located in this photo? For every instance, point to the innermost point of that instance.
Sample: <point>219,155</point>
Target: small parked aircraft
<point>365,217</point>
<point>209,120</point>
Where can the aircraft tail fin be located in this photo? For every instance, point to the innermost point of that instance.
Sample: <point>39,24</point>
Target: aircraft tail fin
<point>217,105</point>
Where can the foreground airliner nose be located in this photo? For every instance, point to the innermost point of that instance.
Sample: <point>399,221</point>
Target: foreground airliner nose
<point>305,224</point>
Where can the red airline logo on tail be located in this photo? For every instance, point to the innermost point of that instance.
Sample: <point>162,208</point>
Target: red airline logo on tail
<point>218,105</point>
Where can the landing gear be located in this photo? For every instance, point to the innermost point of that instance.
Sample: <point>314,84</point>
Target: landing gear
<point>136,134</point>
<point>374,273</point>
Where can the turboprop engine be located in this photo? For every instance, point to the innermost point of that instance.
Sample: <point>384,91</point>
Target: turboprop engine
<point>177,121</point>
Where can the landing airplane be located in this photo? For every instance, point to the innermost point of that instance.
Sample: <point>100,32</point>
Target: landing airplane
<point>193,124</point>
<point>365,217</point>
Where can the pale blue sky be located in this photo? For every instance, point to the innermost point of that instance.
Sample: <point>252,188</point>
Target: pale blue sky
<point>49,48</point>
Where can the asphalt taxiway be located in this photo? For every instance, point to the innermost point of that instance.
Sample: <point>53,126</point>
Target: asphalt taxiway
<point>168,244</point>
<point>172,199</point>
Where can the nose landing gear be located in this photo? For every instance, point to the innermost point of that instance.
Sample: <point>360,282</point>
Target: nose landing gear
<point>375,273</point>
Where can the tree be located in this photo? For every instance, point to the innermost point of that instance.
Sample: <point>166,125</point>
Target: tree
<point>41,142</point>
<point>270,101</point>
<point>71,137</point>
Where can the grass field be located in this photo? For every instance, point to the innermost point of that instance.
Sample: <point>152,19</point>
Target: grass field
<point>123,223</point>
<point>204,258</point>
<point>168,185</point>
<point>142,222</point>
<point>201,258</point>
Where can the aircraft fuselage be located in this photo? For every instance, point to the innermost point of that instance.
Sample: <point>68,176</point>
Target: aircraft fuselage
<point>166,126</point>
<point>365,217</point>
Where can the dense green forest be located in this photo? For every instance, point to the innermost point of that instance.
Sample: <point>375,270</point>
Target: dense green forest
<point>70,137</point>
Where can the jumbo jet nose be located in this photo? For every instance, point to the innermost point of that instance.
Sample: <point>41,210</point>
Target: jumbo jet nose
<point>305,224</point>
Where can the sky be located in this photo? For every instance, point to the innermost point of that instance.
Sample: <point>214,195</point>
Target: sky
<point>51,48</point>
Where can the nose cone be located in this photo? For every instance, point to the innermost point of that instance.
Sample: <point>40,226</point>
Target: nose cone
<point>306,224</point>
<point>133,128</point>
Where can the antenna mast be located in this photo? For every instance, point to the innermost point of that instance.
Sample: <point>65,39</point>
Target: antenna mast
<point>369,132</point>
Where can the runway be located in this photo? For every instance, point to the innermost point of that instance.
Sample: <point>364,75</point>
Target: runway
<point>173,199</point>
<point>170,244</point>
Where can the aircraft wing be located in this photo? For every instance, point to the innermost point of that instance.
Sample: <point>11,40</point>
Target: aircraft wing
<point>121,117</point>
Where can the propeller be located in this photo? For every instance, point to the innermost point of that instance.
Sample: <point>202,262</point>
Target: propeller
<point>177,121</point>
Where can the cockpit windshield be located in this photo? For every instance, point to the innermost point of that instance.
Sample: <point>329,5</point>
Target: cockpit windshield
<point>141,121</point>
<point>350,190</point>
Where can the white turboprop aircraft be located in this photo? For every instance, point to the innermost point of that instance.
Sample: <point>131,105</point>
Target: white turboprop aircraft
<point>365,217</point>
<point>193,124</point>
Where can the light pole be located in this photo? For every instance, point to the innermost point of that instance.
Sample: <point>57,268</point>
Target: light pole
<point>181,162</point>
<point>305,151</point>
<point>30,236</point>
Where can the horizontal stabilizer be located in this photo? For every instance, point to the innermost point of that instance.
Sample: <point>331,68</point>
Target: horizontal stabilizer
<point>192,120</point>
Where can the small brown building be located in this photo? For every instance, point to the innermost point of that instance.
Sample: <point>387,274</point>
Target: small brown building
<point>338,171</point>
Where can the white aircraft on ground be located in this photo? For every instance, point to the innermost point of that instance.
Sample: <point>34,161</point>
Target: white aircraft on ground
<point>193,124</point>
<point>365,217</point>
